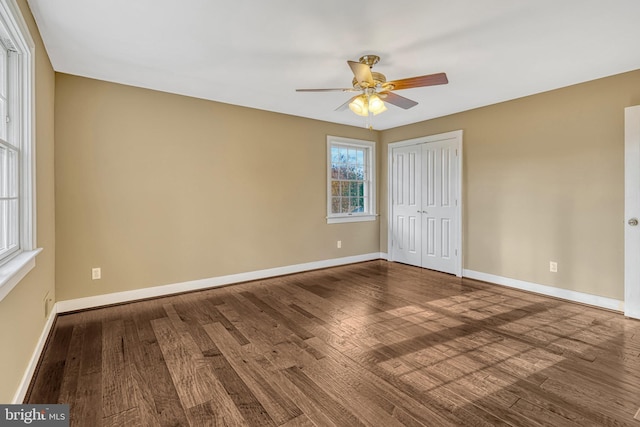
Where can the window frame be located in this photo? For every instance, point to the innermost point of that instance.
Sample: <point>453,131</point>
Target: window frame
<point>21,132</point>
<point>370,174</point>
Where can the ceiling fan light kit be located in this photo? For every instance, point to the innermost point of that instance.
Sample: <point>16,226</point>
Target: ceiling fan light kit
<point>362,105</point>
<point>376,106</point>
<point>374,87</point>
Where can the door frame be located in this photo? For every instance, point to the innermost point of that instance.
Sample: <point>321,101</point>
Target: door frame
<point>631,210</point>
<point>457,135</point>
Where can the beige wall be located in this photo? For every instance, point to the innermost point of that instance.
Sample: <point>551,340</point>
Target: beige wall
<point>156,188</point>
<point>543,180</point>
<point>139,172</point>
<point>22,311</point>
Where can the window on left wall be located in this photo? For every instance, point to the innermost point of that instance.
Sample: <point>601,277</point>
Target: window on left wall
<point>17,148</point>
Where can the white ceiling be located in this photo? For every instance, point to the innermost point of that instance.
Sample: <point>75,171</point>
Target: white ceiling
<point>255,53</point>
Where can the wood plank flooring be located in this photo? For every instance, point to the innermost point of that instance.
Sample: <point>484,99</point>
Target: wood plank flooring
<point>373,344</point>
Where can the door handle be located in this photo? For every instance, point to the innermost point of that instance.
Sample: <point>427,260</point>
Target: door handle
<point>633,222</point>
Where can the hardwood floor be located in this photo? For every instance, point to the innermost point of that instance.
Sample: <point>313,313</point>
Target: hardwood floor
<point>377,343</point>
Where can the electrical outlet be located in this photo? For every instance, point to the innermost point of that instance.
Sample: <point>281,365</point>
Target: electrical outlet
<point>96,273</point>
<point>339,244</point>
<point>553,266</point>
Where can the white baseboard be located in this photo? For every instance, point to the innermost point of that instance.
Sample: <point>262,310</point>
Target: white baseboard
<point>157,291</point>
<point>598,301</point>
<point>20,394</point>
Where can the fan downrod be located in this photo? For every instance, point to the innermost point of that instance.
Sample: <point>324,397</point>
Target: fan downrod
<point>369,60</point>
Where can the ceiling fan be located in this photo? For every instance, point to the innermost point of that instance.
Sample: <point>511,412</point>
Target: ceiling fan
<point>375,89</point>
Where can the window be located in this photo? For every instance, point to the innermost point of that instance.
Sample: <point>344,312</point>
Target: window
<point>9,183</point>
<point>350,180</point>
<point>17,218</point>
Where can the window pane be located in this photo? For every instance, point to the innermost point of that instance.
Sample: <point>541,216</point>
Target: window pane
<point>344,206</point>
<point>3,225</point>
<point>3,121</point>
<point>344,188</point>
<point>352,155</point>
<point>353,189</point>
<point>3,72</point>
<point>335,188</point>
<point>12,174</point>
<point>8,225</point>
<point>335,205</point>
<point>343,154</point>
<point>359,204</point>
<point>335,155</point>
<point>9,186</point>
<point>12,213</point>
<point>352,172</point>
<point>358,173</point>
<point>360,157</point>
<point>3,172</point>
<point>335,172</point>
<point>344,172</point>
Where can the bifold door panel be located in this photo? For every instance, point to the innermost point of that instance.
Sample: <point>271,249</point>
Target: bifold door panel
<point>424,205</point>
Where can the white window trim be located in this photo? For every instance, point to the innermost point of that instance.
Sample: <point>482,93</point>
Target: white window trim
<point>353,217</point>
<point>14,269</point>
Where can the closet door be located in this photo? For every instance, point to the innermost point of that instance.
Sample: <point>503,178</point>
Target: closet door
<point>406,205</point>
<point>425,216</point>
<point>439,205</point>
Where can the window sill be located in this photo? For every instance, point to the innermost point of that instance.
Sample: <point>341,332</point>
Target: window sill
<point>14,271</point>
<point>350,218</point>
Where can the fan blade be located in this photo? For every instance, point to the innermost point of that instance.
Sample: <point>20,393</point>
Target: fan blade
<point>327,90</point>
<point>397,100</point>
<point>420,81</point>
<point>346,104</point>
<point>362,73</point>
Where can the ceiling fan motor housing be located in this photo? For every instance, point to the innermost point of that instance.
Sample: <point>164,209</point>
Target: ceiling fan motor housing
<point>378,81</point>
